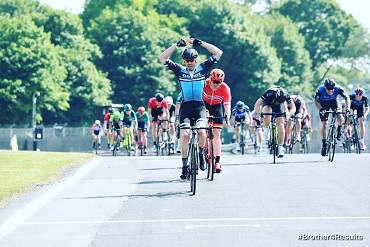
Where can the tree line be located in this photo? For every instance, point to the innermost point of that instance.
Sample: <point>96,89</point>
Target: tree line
<point>109,53</point>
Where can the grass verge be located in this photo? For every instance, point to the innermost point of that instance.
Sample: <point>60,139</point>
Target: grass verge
<point>21,171</point>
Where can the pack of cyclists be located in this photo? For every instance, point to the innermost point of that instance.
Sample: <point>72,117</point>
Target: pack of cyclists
<point>203,92</point>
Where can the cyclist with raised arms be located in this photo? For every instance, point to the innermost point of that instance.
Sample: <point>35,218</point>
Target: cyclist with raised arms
<point>272,101</point>
<point>359,103</point>
<point>239,114</point>
<point>157,109</point>
<point>215,95</point>
<point>326,98</point>
<point>128,118</point>
<point>191,79</point>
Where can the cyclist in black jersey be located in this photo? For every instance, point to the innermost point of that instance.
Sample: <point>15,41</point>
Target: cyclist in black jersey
<point>191,79</point>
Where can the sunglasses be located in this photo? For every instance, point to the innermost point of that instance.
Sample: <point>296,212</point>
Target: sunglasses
<point>359,94</point>
<point>189,60</point>
<point>330,89</point>
<point>216,82</point>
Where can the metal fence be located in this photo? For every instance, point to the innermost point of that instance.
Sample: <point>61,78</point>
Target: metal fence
<point>56,131</point>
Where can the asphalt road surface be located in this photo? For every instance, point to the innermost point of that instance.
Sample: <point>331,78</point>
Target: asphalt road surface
<point>302,200</point>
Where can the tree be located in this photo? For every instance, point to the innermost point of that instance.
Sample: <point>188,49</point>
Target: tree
<point>130,44</point>
<point>325,26</point>
<point>30,61</point>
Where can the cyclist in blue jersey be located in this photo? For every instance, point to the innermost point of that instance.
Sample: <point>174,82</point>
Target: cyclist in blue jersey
<point>326,99</point>
<point>359,103</point>
<point>191,79</point>
<point>240,113</point>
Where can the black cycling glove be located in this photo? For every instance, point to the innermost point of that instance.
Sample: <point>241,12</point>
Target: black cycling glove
<point>197,42</point>
<point>181,43</point>
<point>322,111</point>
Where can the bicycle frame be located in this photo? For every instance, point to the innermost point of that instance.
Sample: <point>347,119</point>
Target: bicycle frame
<point>242,136</point>
<point>193,157</point>
<point>163,146</point>
<point>355,140</point>
<point>331,137</point>
<point>273,133</point>
<point>127,142</point>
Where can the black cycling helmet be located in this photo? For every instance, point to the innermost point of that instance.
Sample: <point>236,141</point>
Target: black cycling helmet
<point>329,83</point>
<point>159,97</point>
<point>110,110</point>
<point>240,104</point>
<point>189,53</point>
<point>280,95</point>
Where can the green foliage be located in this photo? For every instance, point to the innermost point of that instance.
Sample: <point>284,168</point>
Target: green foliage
<point>129,42</point>
<point>29,60</point>
<point>109,53</point>
<point>324,25</point>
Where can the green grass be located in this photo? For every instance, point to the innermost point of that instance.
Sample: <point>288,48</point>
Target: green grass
<point>21,171</point>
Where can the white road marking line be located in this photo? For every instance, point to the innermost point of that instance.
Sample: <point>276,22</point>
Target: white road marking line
<point>195,220</point>
<point>212,226</point>
<point>19,217</point>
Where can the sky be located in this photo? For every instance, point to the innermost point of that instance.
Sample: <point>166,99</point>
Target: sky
<point>358,8</point>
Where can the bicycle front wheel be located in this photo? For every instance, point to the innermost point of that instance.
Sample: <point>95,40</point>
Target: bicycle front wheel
<point>356,140</point>
<point>273,144</point>
<point>193,169</point>
<point>331,144</point>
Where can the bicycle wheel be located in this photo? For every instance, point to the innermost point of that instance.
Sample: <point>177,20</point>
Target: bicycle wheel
<point>293,139</point>
<point>356,140</point>
<point>273,144</point>
<point>212,159</point>
<point>331,143</point>
<point>193,169</point>
<point>242,142</point>
<point>128,143</point>
<point>96,146</point>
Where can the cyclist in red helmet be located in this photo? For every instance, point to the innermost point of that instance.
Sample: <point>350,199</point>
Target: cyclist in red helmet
<point>359,103</point>
<point>216,94</point>
<point>157,109</point>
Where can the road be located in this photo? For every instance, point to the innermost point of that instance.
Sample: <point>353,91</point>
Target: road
<point>140,201</point>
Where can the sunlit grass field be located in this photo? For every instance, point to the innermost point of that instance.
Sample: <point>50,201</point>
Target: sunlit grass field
<point>20,171</point>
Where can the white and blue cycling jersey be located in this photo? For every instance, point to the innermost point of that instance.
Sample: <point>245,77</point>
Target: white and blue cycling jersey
<point>191,85</point>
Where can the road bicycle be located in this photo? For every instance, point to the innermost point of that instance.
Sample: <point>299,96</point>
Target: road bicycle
<point>346,136</point>
<point>293,137</point>
<point>304,141</point>
<point>355,140</point>
<point>127,141</point>
<point>163,140</point>
<point>208,148</point>
<point>116,143</point>
<point>139,141</point>
<point>273,142</point>
<point>193,157</point>
<point>242,142</point>
<point>96,144</point>
<point>331,139</point>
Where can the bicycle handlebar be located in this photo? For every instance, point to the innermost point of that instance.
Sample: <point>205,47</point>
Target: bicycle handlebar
<point>273,114</point>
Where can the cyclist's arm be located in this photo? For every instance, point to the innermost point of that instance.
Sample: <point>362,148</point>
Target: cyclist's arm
<point>258,106</point>
<point>292,109</point>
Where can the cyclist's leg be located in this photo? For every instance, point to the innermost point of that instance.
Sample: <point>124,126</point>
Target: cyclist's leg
<point>266,120</point>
